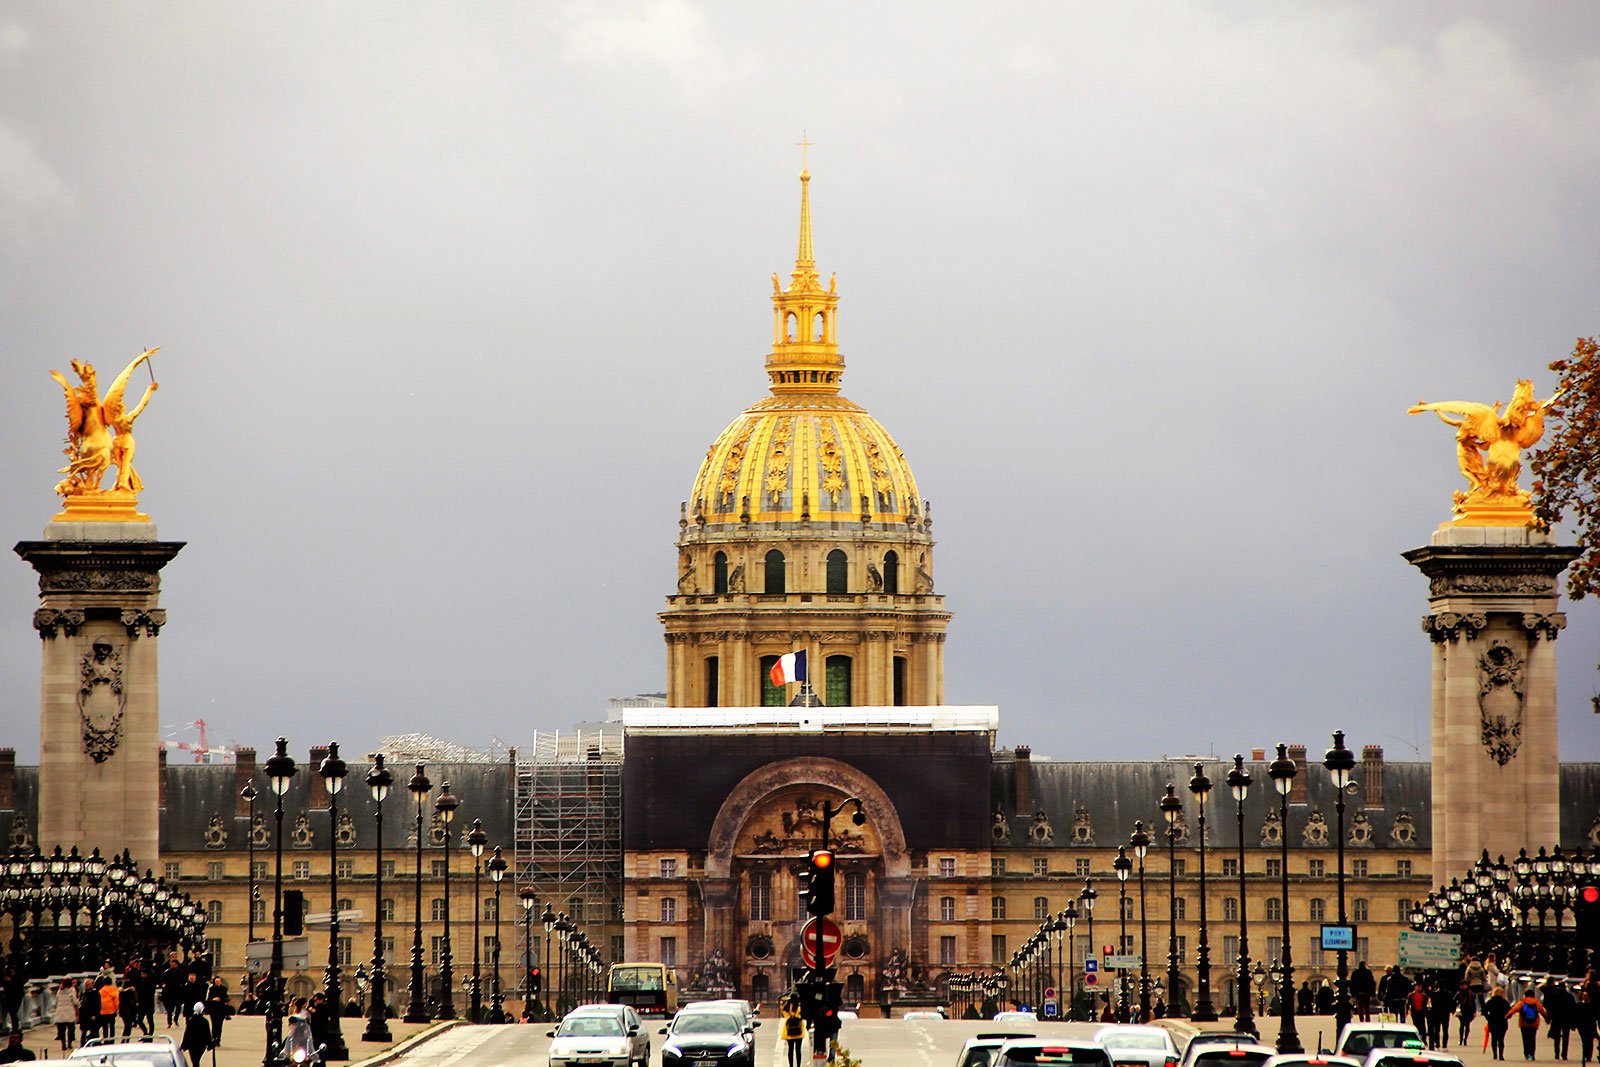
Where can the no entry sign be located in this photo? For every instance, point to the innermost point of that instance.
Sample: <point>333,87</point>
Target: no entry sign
<point>830,941</point>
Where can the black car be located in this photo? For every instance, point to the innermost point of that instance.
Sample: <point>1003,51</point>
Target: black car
<point>705,1039</point>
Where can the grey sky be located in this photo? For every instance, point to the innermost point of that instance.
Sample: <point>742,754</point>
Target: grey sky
<point>453,297</point>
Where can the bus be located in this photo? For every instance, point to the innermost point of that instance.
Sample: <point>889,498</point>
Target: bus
<point>649,988</point>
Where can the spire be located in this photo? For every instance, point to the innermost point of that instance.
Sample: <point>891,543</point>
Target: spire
<point>805,351</point>
<point>805,261</point>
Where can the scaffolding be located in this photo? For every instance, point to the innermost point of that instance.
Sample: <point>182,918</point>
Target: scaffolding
<point>568,844</point>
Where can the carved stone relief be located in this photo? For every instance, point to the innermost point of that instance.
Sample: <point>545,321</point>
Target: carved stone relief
<point>77,581</point>
<point>759,947</point>
<point>345,834</point>
<point>20,839</point>
<point>260,835</point>
<point>101,701</point>
<point>438,832</point>
<point>1511,584</point>
<point>150,622</point>
<point>1000,828</point>
<point>48,620</point>
<point>1271,829</point>
<point>1316,831</point>
<point>1450,625</point>
<point>300,836</point>
<point>1360,833</point>
<point>1404,831</point>
<point>1500,701</point>
<point>216,833</point>
<point>1544,624</point>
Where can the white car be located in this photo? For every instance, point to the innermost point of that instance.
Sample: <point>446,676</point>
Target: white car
<point>600,1034</point>
<point>1015,1018</point>
<point>1242,1051</point>
<point>1139,1046</point>
<point>151,1052</point>
<point>979,1051</point>
<point>1311,1059</point>
<point>914,1016</point>
<point>1358,1039</point>
<point>1052,1052</point>
<point>1410,1057</point>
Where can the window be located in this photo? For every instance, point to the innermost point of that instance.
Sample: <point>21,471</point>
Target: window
<point>997,868</point>
<point>1274,909</point>
<point>258,870</point>
<point>713,681</point>
<point>346,868</point>
<point>1129,947</point>
<point>1363,948</point>
<point>258,910</point>
<point>947,951</point>
<point>214,871</point>
<point>855,896</point>
<point>837,694</point>
<point>1183,946</point>
<point>437,867</point>
<point>1180,908</point>
<point>1402,909</point>
<point>388,868</point>
<point>1041,868</point>
<point>761,896</point>
<point>213,911</point>
<point>1230,911</point>
<point>1274,949</point>
<point>1314,956</point>
<point>669,909</point>
<point>719,573</point>
<point>618,947</point>
<point>838,572</point>
<point>214,947</point>
<point>170,871</point>
<point>1230,948</point>
<point>1041,907</point>
<point>899,681</point>
<point>436,950</point>
<point>1319,910</point>
<point>669,868</point>
<point>1358,868</point>
<point>1180,867</point>
<point>388,948</point>
<point>1080,867</point>
<point>386,909</point>
<point>947,867</point>
<point>1127,909</point>
<point>947,909</point>
<point>997,950</point>
<point>436,909</point>
<point>346,951</point>
<point>774,576</point>
<point>891,572</point>
<point>997,908</point>
<point>346,904</point>
<point>302,869</point>
<point>772,696</point>
<point>1358,910</point>
<point>1317,868</point>
<point>1402,868</point>
<point>1274,868</point>
<point>669,951</point>
<point>761,987</point>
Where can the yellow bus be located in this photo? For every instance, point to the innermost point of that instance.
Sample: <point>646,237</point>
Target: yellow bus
<point>649,988</point>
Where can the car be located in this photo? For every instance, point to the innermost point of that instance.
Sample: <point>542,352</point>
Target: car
<point>1015,1018</point>
<point>740,1009</point>
<point>707,1038</point>
<point>924,1016</point>
<point>1409,1057</point>
<point>846,1015</point>
<point>160,1051</point>
<point>1357,1039</point>
<point>1052,1051</point>
<point>600,1034</point>
<point>1236,1050</point>
<point>1311,1059</point>
<point>979,1050</point>
<point>1139,1046</point>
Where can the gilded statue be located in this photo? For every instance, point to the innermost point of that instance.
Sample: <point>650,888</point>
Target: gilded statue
<point>100,431</point>
<point>1489,446</point>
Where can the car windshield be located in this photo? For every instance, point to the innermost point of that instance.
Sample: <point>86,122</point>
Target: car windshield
<point>1359,1044</point>
<point>703,1022</point>
<point>977,1057</point>
<point>1052,1054</point>
<point>590,1026</point>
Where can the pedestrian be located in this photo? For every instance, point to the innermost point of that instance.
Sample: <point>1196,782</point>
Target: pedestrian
<point>1466,1010</point>
<point>1304,999</point>
<point>14,1051</point>
<point>794,1030</point>
<point>1417,1003</point>
<point>1558,1002</point>
<point>128,1001</point>
<point>1362,988</point>
<point>147,983</point>
<point>88,1010</point>
<point>11,990</point>
<point>218,1007</point>
<point>1495,1010</point>
<point>1441,1005</point>
<point>110,1003</point>
<point>1475,974</point>
<point>1584,1013</point>
<point>172,991</point>
<point>196,1034</point>
<point>1324,999</point>
<point>65,1014</point>
<point>1528,1012</point>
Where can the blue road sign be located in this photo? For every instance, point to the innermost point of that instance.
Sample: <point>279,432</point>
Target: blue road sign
<point>1091,965</point>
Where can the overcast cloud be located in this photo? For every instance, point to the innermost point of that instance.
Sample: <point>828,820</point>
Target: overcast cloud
<point>453,297</point>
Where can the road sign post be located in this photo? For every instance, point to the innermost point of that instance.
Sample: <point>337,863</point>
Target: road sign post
<point>1420,948</point>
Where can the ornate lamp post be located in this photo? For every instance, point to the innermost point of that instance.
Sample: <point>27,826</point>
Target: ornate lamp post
<point>1124,867</point>
<point>563,934</point>
<point>548,920</point>
<point>417,1010</point>
<point>445,808</point>
<point>525,895</point>
<point>280,770</point>
<point>1282,772</point>
<point>1058,926</point>
<point>1069,919</point>
<point>1239,784</point>
<point>477,840</point>
<point>249,794</point>
<point>1200,786</point>
<point>1086,899</point>
<point>1172,811</point>
<point>333,771</point>
<point>1340,761</point>
<point>1140,842</point>
<point>497,871</point>
<point>379,779</point>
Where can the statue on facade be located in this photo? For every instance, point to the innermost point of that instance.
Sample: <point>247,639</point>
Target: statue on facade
<point>1489,443</point>
<point>100,431</point>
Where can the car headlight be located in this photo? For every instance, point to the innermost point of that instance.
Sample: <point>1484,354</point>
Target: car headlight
<point>737,1048</point>
<point>671,1049</point>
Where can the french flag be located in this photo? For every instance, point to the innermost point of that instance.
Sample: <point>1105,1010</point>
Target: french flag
<point>790,668</point>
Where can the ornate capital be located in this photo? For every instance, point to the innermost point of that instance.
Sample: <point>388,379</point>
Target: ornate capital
<point>1449,625</point>
<point>47,620</point>
<point>150,621</point>
<point>1544,624</point>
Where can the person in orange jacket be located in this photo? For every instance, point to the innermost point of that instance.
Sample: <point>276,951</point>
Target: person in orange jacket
<point>1528,1011</point>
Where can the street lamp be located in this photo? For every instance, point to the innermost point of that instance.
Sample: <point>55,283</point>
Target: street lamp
<point>477,840</point>
<point>1340,761</point>
<point>525,894</point>
<point>497,871</point>
<point>1282,772</point>
<point>1239,784</point>
<point>1200,786</point>
<point>1140,842</point>
<point>548,920</point>
<point>1069,917</point>
<point>563,934</point>
<point>333,771</point>
<point>1172,811</point>
<point>1123,866</point>
<point>417,1010</point>
<point>1086,899</point>
<point>445,808</point>
<point>379,779</point>
<point>280,770</point>
<point>249,794</point>
<point>1058,926</point>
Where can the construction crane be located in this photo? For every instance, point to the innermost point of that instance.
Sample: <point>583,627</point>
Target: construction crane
<point>201,749</point>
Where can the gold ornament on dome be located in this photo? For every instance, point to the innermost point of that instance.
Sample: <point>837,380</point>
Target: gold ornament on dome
<point>99,437</point>
<point>1489,446</point>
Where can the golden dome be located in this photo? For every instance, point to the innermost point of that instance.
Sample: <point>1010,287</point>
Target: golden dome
<point>805,453</point>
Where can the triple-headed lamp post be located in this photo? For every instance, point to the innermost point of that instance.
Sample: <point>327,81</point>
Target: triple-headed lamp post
<point>477,841</point>
<point>1282,772</point>
<point>417,1010</point>
<point>1340,761</point>
<point>1172,811</point>
<point>445,808</point>
<point>280,770</point>
<point>497,872</point>
<point>1239,784</point>
<point>1200,786</point>
<point>332,771</point>
<point>379,779</point>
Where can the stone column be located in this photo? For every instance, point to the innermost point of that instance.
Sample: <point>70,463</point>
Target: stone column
<point>1493,622</point>
<point>98,622</point>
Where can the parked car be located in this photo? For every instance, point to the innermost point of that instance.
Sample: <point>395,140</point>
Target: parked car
<point>608,1034</point>
<point>706,1038</point>
<point>1358,1039</point>
<point>1139,1046</point>
<point>979,1051</point>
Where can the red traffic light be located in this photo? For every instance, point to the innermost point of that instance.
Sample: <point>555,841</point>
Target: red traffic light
<point>1589,894</point>
<point>821,858</point>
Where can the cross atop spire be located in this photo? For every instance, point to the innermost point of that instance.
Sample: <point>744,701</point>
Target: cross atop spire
<point>803,144</point>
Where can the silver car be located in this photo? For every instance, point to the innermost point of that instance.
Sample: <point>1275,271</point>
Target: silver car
<point>1139,1046</point>
<point>600,1035</point>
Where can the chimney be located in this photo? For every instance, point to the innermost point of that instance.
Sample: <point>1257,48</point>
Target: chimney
<point>244,770</point>
<point>1372,774</point>
<point>319,790</point>
<point>1258,755</point>
<point>8,778</point>
<point>161,778</point>
<point>1024,789</point>
<point>1297,794</point>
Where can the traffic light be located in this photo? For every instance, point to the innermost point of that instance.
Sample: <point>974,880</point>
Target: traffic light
<point>1586,915</point>
<point>294,913</point>
<point>827,1022</point>
<point>811,995</point>
<point>819,886</point>
<point>535,981</point>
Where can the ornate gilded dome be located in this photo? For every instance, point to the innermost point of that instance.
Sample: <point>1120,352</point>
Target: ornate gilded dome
<point>805,453</point>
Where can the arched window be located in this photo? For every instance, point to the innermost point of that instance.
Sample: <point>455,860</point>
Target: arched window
<point>838,571</point>
<point>891,571</point>
<point>713,680</point>
<point>771,695</point>
<point>838,691</point>
<point>719,572</point>
<point>819,331</point>
<point>774,572</point>
<point>791,324</point>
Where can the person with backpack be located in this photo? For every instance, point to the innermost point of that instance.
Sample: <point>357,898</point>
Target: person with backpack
<point>1528,1011</point>
<point>794,1030</point>
<point>1495,1010</point>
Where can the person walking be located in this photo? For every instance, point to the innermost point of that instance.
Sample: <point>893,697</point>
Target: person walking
<point>110,1003</point>
<point>65,1015</point>
<point>1528,1012</point>
<point>218,1007</point>
<point>1584,1013</point>
<point>128,1001</point>
<point>794,1030</point>
<point>172,991</point>
<point>1558,1002</point>
<point>88,1010</point>
<point>1441,1005</point>
<point>196,1034</point>
<point>1417,1003</point>
<point>1475,976</point>
<point>1362,988</point>
<point>147,984</point>
<point>1466,1011</point>
<point>1496,1008</point>
<point>12,987</point>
